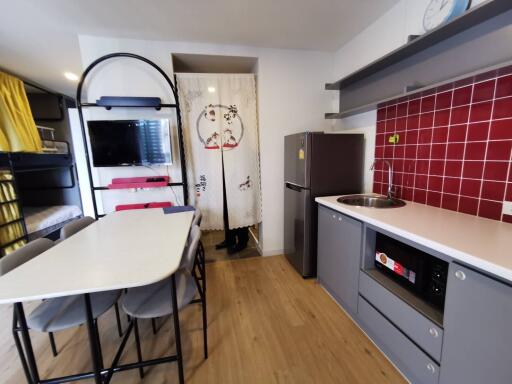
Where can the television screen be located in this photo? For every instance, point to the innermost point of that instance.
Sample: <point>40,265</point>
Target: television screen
<point>130,142</point>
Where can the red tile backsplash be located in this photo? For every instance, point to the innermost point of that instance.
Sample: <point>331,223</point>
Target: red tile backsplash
<point>504,86</point>
<point>455,145</point>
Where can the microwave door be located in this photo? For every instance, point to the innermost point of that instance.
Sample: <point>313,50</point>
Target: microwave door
<point>297,227</point>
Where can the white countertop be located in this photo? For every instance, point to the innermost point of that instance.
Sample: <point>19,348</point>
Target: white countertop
<point>483,243</point>
<point>122,250</point>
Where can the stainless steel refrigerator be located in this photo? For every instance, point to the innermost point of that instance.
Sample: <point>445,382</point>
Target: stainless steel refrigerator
<point>315,164</point>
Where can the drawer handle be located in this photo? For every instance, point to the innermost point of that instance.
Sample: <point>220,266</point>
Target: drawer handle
<point>433,332</point>
<point>333,216</point>
<point>460,275</point>
<point>340,218</point>
<point>431,368</point>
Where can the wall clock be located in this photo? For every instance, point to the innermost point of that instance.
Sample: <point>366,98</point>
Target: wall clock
<point>441,11</point>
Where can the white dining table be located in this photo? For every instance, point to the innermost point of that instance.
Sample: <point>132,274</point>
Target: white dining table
<point>124,249</point>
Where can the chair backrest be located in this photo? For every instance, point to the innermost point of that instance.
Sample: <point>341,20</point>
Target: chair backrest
<point>189,255</point>
<point>198,216</point>
<point>75,226</point>
<point>24,254</point>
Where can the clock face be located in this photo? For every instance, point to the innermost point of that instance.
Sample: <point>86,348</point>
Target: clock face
<point>441,11</point>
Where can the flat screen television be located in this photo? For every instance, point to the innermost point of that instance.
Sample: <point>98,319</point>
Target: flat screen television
<point>117,143</point>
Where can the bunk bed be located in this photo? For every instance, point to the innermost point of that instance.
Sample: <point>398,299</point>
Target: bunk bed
<point>43,221</point>
<point>31,202</point>
<point>41,177</point>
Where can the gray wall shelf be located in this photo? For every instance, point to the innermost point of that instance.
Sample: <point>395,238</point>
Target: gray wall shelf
<point>478,39</point>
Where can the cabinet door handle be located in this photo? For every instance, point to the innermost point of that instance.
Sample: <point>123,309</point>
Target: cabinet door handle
<point>433,332</point>
<point>431,367</point>
<point>460,275</point>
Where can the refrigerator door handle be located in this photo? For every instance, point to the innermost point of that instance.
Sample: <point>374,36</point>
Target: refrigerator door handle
<point>295,187</point>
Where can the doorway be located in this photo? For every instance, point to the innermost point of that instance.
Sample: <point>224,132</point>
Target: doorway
<point>190,65</point>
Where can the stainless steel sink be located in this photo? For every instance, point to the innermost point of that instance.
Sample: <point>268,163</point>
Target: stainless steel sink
<point>372,201</point>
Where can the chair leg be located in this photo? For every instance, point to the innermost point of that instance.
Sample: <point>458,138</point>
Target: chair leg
<point>19,347</point>
<point>100,353</point>
<point>118,319</point>
<point>202,293</point>
<point>127,315</point>
<point>177,333</point>
<point>27,343</point>
<point>203,262</point>
<point>137,344</point>
<point>205,326</point>
<point>153,324</point>
<point>202,300</point>
<point>52,344</point>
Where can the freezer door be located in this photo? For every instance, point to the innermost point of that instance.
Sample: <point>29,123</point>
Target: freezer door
<point>297,229</point>
<point>336,164</point>
<point>297,159</point>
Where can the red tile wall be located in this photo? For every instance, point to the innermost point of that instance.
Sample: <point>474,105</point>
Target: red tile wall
<point>455,145</point>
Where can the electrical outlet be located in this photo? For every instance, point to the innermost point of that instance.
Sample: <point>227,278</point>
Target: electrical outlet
<point>507,208</point>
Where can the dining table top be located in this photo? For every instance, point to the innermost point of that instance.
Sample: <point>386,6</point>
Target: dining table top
<point>124,249</point>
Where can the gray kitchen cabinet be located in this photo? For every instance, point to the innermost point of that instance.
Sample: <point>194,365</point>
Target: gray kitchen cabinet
<point>425,333</point>
<point>477,329</point>
<point>416,365</point>
<point>339,255</point>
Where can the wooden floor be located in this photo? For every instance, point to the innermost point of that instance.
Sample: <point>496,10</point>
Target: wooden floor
<point>266,325</point>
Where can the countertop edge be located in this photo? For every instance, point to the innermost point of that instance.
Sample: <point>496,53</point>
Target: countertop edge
<point>471,260</point>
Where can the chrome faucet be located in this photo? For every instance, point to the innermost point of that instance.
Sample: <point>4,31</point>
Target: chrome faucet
<point>390,177</point>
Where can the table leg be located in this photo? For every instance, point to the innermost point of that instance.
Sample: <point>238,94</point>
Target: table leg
<point>25,336</point>
<point>177,334</point>
<point>15,329</point>
<point>93,340</point>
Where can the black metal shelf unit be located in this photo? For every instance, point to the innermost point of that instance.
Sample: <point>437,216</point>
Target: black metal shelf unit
<point>402,57</point>
<point>130,103</point>
<point>107,188</point>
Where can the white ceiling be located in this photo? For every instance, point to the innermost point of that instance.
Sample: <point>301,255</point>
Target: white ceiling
<point>39,38</point>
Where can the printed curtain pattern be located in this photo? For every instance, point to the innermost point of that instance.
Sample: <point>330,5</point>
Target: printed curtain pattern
<point>18,132</point>
<point>220,124</point>
<point>9,212</point>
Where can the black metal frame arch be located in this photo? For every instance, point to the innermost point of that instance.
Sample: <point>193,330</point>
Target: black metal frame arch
<point>176,105</point>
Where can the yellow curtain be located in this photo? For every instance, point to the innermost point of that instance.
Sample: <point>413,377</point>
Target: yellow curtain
<point>18,132</point>
<point>9,212</point>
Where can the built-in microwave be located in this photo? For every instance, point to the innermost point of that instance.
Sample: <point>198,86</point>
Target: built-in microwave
<point>418,271</point>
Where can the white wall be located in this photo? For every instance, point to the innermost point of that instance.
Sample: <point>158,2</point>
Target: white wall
<point>387,33</point>
<point>291,98</point>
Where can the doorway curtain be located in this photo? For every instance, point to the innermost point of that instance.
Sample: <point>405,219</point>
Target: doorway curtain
<point>221,127</point>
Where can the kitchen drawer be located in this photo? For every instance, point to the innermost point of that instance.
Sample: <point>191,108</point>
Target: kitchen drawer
<point>424,332</point>
<point>412,361</point>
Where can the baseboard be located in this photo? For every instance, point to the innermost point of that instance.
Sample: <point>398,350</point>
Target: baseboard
<point>275,252</point>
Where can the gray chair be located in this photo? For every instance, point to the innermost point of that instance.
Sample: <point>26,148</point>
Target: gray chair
<point>7,264</point>
<point>201,261</point>
<point>196,222</point>
<point>198,216</point>
<point>75,226</point>
<point>154,300</point>
<point>24,254</point>
<point>61,313</point>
